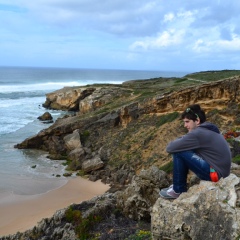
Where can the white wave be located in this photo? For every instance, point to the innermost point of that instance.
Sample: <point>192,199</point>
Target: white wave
<point>48,86</point>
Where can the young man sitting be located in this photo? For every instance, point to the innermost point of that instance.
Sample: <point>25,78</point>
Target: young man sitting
<point>203,150</point>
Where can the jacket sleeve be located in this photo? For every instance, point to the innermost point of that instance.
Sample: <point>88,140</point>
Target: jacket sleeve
<point>185,143</point>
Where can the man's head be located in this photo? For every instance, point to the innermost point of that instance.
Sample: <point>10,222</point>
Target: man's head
<point>193,116</point>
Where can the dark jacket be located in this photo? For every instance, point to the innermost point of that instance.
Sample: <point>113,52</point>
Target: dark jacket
<point>209,144</point>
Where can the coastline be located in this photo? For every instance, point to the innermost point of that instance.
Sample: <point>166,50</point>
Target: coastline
<point>22,212</point>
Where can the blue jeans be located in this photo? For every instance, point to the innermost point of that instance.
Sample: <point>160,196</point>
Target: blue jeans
<point>184,161</point>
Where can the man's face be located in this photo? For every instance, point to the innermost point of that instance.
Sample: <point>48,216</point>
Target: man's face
<point>190,124</point>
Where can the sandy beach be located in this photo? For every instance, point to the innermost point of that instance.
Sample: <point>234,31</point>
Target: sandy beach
<point>22,212</point>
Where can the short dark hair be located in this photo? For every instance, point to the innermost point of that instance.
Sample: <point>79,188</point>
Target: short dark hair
<point>193,112</point>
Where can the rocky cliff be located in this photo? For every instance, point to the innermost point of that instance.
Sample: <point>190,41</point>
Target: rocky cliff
<point>125,127</point>
<point>119,130</point>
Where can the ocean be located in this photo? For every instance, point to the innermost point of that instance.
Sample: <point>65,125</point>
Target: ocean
<point>22,93</point>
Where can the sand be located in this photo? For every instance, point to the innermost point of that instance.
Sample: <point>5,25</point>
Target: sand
<point>22,212</point>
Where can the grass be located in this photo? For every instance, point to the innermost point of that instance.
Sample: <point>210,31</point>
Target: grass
<point>82,225</point>
<point>167,118</point>
<point>140,235</point>
<point>236,159</point>
<point>168,168</point>
<point>213,75</point>
<point>84,135</point>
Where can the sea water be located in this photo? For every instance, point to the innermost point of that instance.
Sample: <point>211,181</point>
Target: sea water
<point>22,92</point>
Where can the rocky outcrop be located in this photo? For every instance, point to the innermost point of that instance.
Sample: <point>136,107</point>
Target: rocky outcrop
<point>46,117</point>
<point>214,95</point>
<point>100,97</point>
<point>72,141</point>
<point>207,211</point>
<point>92,164</point>
<point>210,95</point>
<point>67,98</point>
<point>82,99</point>
<point>137,199</point>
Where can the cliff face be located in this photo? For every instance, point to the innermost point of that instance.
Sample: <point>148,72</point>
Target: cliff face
<point>214,95</point>
<point>211,96</point>
<point>123,125</point>
<point>67,98</point>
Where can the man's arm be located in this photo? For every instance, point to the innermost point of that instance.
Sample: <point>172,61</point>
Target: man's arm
<point>185,143</point>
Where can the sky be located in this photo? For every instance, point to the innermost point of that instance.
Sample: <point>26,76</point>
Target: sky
<point>164,35</point>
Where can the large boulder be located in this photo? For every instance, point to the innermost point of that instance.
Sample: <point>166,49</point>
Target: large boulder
<point>77,157</point>
<point>92,164</point>
<point>137,199</point>
<point>72,141</point>
<point>99,97</point>
<point>46,117</point>
<point>207,211</point>
<point>67,98</point>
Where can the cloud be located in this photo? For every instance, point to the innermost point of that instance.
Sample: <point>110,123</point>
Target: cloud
<point>114,17</point>
<point>123,31</point>
<point>165,39</point>
<point>168,17</point>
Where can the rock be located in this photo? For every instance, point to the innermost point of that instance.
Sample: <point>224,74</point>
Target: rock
<point>92,164</point>
<point>67,174</point>
<point>55,145</point>
<point>72,141</point>
<point>128,113</point>
<point>77,156</point>
<point>99,97</point>
<point>45,117</point>
<point>206,211</point>
<point>137,199</point>
<point>67,98</point>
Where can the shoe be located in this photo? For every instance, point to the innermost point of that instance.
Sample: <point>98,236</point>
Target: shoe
<point>169,193</point>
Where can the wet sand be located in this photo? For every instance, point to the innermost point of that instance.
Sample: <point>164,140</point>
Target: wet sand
<point>22,212</point>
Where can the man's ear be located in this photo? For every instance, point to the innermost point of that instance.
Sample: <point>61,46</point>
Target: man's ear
<point>198,121</point>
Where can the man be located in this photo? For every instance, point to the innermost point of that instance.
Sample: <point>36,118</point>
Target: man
<point>203,150</point>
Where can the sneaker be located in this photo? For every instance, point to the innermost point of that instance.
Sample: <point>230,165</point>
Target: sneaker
<point>169,193</point>
<point>165,189</point>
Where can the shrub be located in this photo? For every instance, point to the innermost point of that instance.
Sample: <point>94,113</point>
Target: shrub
<point>167,118</point>
<point>168,168</point>
<point>84,136</point>
<point>236,159</point>
<point>82,225</point>
<point>141,235</point>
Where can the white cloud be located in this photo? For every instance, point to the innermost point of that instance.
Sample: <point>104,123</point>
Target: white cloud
<point>201,47</point>
<point>165,39</point>
<point>168,17</point>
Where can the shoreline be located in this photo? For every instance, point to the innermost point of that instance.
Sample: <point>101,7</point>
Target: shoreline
<point>22,212</point>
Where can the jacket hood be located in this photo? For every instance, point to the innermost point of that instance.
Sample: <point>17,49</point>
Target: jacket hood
<point>210,126</point>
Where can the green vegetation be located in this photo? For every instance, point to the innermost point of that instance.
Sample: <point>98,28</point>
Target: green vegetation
<point>140,235</point>
<point>236,159</point>
<point>81,173</point>
<point>82,225</point>
<point>84,136</point>
<point>168,168</point>
<point>213,75</point>
<point>67,163</point>
<point>167,118</point>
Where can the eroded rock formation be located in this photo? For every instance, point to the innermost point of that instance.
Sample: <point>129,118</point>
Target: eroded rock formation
<point>207,211</point>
